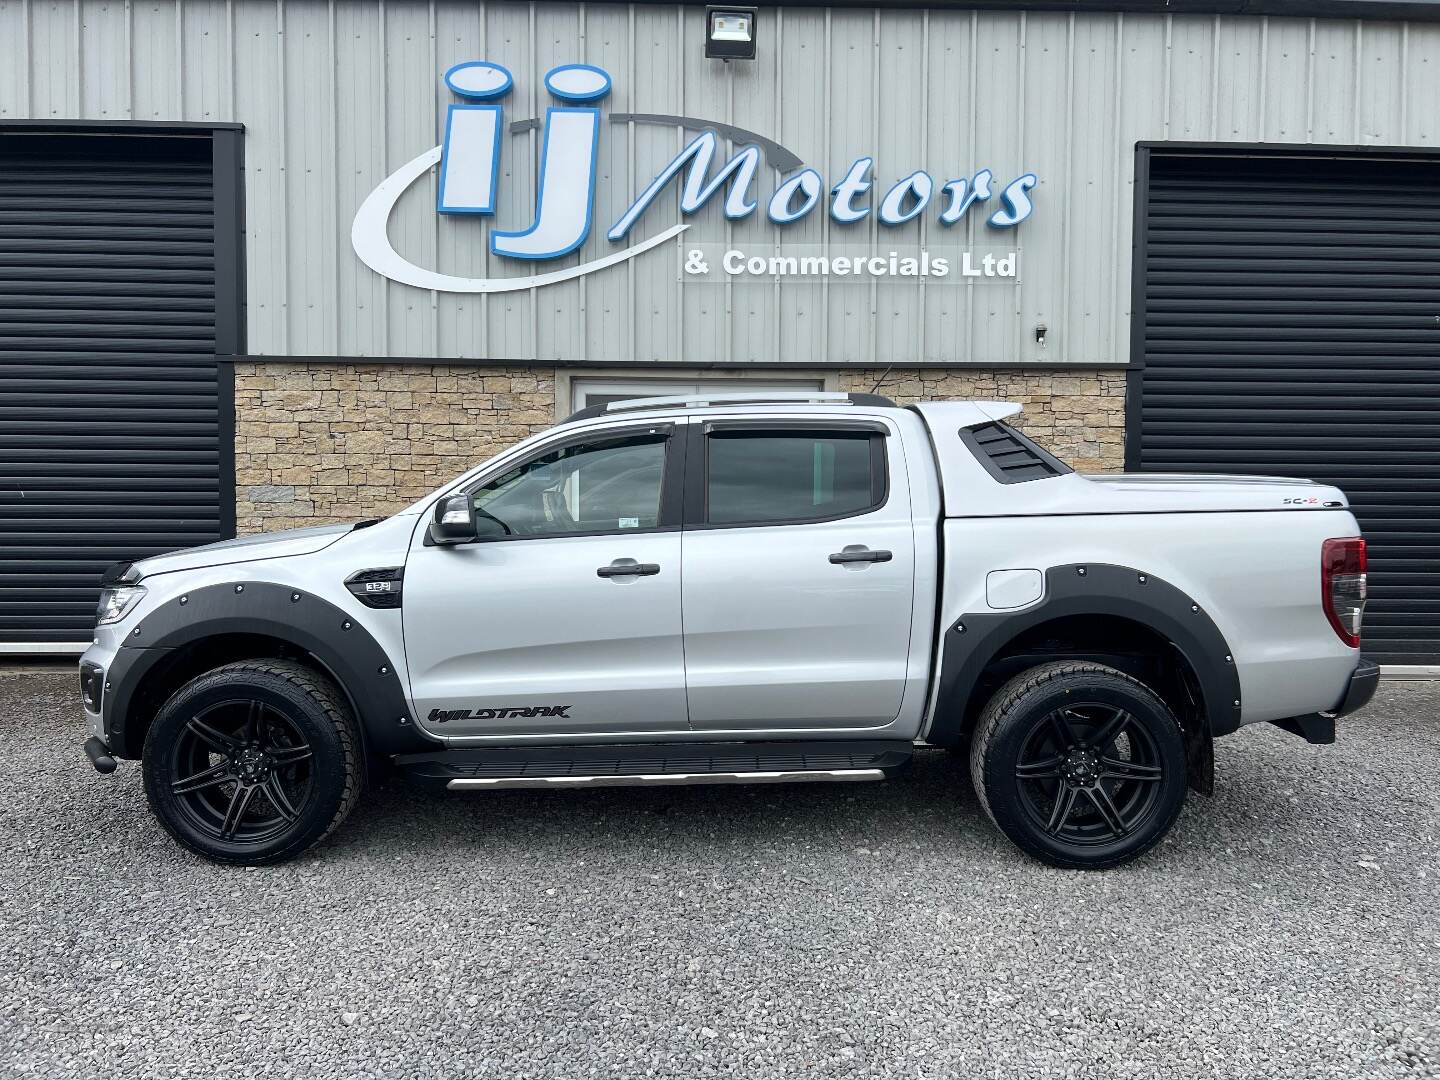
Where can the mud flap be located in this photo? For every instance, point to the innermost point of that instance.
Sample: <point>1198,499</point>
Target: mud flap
<point>1200,759</point>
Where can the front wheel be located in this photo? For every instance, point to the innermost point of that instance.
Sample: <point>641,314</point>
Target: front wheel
<point>1079,764</point>
<point>253,762</point>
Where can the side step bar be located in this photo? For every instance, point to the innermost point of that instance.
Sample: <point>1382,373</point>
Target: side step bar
<point>660,764</point>
<point>664,779</point>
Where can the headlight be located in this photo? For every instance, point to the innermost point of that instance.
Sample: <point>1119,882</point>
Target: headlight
<point>116,602</point>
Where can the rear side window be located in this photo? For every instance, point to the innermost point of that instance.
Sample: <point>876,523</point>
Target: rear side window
<point>779,477</point>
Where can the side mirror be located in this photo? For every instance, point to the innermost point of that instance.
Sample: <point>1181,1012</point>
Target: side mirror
<point>454,521</point>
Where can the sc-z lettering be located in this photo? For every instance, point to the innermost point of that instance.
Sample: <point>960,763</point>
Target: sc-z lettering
<point>444,716</point>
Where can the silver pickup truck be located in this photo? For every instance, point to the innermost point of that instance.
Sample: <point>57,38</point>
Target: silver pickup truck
<point>741,589</point>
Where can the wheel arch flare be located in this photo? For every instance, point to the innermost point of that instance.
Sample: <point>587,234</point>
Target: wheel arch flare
<point>971,643</point>
<point>252,618</point>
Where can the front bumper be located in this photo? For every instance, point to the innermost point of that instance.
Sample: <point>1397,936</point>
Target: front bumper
<point>97,672</point>
<point>1319,728</point>
<point>92,697</point>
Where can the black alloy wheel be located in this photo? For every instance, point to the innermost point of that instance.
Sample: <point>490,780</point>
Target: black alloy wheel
<point>1089,773</point>
<point>243,771</point>
<point>253,762</point>
<point>1079,764</point>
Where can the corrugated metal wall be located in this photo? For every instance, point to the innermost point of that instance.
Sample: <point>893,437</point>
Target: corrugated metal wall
<point>1290,331</point>
<point>111,405</point>
<point>336,95</point>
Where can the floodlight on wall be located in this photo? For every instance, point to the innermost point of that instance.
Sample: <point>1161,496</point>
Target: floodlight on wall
<point>730,33</point>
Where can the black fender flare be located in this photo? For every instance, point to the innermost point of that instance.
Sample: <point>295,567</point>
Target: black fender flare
<point>973,640</point>
<point>348,652</point>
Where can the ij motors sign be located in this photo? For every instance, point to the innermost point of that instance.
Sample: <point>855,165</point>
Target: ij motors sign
<point>469,159</point>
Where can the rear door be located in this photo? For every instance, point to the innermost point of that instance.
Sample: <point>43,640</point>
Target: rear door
<point>799,569</point>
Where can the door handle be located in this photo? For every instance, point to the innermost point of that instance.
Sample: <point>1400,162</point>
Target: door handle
<point>628,569</point>
<point>861,555</point>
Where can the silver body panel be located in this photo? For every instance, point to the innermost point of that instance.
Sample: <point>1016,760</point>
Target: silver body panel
<point>272,558</point>
<point>777,635</point>
<point>514,625</point>
<point>750,633</point>
<point>242,549</point>
<point>1257,575</point>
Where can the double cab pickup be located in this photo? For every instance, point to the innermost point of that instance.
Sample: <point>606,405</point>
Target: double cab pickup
<point>761,588</point>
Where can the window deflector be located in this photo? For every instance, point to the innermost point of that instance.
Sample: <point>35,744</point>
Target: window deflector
<point>697,509</point>
<point>567,486</point>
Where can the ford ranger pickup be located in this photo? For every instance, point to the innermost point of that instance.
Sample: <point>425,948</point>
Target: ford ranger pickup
<point>753,588</point>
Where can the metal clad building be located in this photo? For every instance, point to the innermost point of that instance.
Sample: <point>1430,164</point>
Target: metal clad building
<point>334,96</point>
<point>355,391</point>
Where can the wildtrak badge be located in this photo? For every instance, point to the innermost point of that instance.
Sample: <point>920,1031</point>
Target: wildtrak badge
<point>445,716</point>
<point>469,159</point>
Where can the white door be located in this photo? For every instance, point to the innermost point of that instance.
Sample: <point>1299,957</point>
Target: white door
<point>568,620</point>
<point>799,576</point>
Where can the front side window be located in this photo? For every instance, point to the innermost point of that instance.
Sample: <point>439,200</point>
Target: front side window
<point>594,487</point>
<point>772,477</point>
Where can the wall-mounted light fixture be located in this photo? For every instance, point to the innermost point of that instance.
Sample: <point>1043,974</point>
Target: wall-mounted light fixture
<point>730,33</point>
<point>1040,332</point>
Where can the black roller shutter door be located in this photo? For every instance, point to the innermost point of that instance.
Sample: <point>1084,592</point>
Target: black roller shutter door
<point>110,396</point>
<point>1291,326</point>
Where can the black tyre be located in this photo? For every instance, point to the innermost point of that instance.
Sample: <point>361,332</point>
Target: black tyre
<point>1079,764</point>
<point>253,762</point>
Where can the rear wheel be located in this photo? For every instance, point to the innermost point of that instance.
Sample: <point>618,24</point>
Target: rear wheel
<point>253,762</point>
<point>1079,764</point>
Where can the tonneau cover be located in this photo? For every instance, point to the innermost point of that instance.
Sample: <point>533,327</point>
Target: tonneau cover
<point>970,490</point>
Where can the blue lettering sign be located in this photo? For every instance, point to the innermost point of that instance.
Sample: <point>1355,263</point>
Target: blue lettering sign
<point>469,160</point>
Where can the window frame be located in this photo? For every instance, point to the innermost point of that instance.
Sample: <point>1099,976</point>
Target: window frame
<point>672,477</point>
<point>696,508</point>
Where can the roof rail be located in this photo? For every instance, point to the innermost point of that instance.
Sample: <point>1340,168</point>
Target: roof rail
<point>698,401</point>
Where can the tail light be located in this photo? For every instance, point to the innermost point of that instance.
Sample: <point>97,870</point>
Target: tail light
<point>1342,586</point>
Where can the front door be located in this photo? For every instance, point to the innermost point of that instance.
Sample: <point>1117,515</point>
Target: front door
<point>569,622</point>
<point>799,575</point>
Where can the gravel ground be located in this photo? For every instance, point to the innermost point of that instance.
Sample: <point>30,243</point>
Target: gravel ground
<point>1289,927</point>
